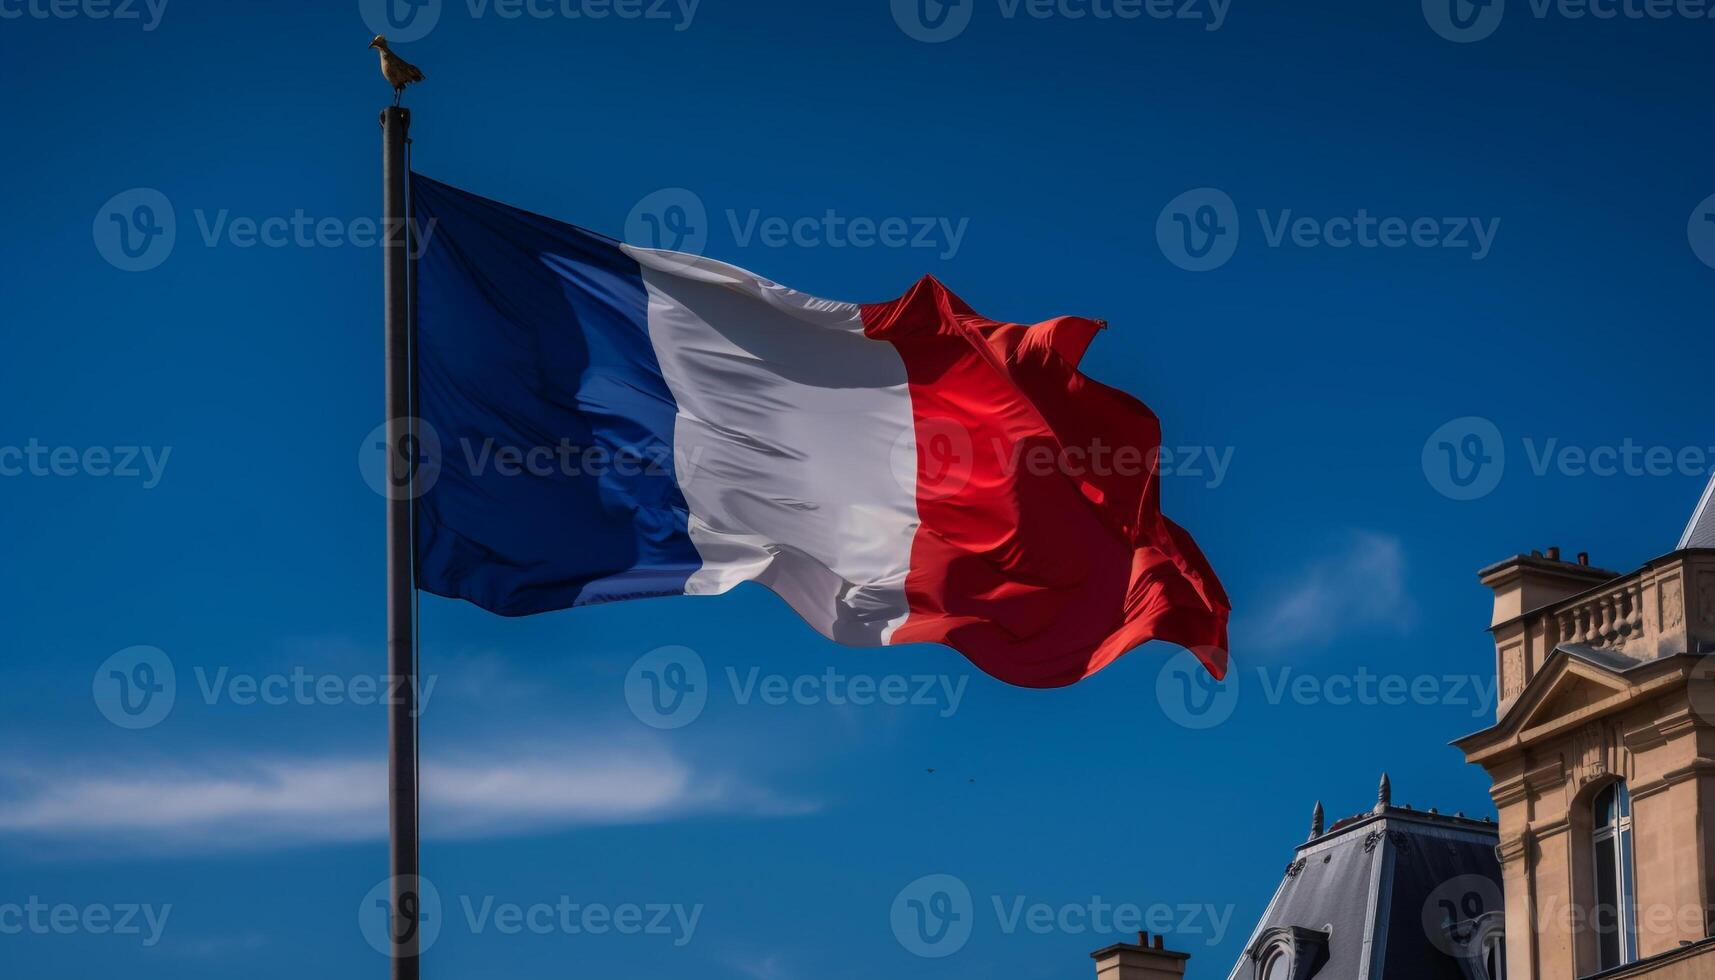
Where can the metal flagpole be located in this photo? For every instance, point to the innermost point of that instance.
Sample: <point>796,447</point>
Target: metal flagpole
<point>402,453</point>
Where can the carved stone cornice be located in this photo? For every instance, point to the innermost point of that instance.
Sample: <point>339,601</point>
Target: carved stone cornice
<point>1509,790</point>
<point>1548,829</point>
<point>1697,769</point>
<point>1530,721</point>
<point>1514,847</point>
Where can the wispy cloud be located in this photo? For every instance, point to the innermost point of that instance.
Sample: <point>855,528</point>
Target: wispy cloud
<point>1358,587</point>
<point>764,967</point>
<point>276,801</point>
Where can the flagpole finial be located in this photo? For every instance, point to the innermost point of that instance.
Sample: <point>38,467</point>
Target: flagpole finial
<point>398,72</point>
<point>1384,795</point>
<point>1316,821</point>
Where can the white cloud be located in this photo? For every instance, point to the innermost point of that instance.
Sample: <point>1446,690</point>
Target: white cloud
<point>273,801</point>
<point>1357,588</point>
<point>767,967</point>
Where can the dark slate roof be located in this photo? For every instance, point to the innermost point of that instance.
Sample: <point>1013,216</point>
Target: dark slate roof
<point>1700,531</point>
<point>1375,883</point>
<point>1609,660</point>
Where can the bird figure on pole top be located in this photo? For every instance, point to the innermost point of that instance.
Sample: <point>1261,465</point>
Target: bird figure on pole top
<point>398,72</point>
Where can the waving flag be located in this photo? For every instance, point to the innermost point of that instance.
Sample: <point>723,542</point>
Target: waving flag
<point>618,422</point>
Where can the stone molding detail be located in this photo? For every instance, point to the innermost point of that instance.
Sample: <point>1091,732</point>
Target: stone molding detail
<point>1512,670</point>
<point>1593,754</point>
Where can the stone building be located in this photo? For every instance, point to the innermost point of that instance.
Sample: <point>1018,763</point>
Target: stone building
<point>1390,892</point>
<point>1602,760</point>
<point>1602,757</point>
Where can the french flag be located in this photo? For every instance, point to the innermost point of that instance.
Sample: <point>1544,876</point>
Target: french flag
<point>618,422</point>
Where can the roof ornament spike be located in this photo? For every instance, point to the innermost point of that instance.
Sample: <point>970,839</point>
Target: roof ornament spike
<point>1384,795</point>
<point>1316,821</point>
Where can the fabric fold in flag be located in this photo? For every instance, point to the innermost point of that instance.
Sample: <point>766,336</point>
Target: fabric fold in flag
<point>617,422</point>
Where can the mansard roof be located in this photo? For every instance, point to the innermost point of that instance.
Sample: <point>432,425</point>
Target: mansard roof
<point>1700,530</point>
<point>1370,895</point>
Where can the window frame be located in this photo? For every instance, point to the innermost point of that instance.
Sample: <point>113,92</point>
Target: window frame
<point>1278,954</point>
<point>1611,849</point>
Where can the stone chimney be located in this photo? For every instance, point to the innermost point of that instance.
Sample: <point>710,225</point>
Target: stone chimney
<point>1143,961</point>
<point>1526,582</point>
<point>1523,584</point>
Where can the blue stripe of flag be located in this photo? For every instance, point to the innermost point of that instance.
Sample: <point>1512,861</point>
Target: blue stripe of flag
<point>532,336</point>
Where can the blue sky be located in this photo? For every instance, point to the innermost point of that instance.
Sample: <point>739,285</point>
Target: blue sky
<point>1543,271</point>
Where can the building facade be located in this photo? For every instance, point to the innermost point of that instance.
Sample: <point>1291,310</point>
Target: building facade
<point>1602,758</point>
<point>1602,762</point>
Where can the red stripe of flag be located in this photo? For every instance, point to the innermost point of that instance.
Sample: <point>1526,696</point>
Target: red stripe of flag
<point>1040,574</point>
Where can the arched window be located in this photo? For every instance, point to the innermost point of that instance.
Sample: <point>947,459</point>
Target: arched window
<point>1614,917</point>
<point>1278,965</point>
<point>1494,956</point>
